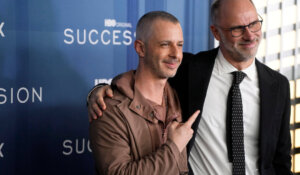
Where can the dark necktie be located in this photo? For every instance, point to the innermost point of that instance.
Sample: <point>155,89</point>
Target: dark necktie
<point>235,128</point>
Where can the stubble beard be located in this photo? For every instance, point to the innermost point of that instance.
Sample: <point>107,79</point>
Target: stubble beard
<point>240,54</point>
<point>165,74</point>
<point>159,70</point>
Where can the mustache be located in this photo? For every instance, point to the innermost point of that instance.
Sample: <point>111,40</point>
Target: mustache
<point>249,41</point>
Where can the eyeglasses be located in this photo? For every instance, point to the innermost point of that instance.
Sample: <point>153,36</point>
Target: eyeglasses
<point>239,30</point>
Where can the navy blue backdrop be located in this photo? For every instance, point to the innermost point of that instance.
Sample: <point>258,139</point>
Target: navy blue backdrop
<point>51,54</point>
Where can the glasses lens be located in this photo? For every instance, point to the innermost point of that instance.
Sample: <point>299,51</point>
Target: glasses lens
<point>237,32</point>
<point>255,26</point>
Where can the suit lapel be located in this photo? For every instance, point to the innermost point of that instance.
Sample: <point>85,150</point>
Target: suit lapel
<point>200,70</point>
<point>268,94</point>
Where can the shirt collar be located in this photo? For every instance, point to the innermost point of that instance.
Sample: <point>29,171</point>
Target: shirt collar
<point>224,67</point>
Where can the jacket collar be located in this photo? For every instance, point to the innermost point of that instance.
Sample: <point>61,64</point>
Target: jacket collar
<point>125,84</point>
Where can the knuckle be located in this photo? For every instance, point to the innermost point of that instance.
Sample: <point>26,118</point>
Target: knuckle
<point>173,125</point>
<point>99,100</point>
<point>94,106</point>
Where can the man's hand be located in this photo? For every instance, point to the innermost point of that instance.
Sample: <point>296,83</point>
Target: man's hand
<point>181,133</point>
<point>96,102</point>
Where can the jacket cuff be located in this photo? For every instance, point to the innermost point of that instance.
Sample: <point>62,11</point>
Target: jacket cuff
<point>181,158</point>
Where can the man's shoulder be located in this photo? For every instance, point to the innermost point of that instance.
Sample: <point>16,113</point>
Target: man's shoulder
<point>264,70</point>
<point>205,52</point>
<point>208,53</point>
<point>117,99</point>
<point>202,55</point>
<point>112,115</point>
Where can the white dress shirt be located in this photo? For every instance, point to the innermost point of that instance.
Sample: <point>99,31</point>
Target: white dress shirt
<point>209,152</point>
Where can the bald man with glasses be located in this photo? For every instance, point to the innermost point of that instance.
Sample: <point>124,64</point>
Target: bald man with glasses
<point>243,127</point>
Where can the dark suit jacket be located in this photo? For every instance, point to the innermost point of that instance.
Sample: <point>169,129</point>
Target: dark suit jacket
<point>191,83</point>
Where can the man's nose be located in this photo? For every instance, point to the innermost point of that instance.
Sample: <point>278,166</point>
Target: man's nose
<point>175,51</point>
<point>248,35</point>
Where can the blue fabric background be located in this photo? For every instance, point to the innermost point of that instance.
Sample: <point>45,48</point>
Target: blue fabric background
<point>45,73</point>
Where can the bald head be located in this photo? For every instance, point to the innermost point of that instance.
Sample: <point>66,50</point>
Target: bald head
<point>220,8</point>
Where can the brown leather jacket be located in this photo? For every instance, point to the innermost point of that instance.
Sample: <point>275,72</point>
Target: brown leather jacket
<point>130,139</point>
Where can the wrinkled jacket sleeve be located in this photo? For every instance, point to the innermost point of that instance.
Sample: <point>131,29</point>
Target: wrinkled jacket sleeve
<point>112,147</point>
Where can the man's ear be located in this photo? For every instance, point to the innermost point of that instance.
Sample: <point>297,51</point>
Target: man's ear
<point>215,32</point>
<point>139,48</point>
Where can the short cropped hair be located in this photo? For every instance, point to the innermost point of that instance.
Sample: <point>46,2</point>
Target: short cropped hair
<point>215,10</point>
<point>144,26</point>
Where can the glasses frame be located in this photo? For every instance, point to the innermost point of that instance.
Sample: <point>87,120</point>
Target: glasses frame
<point>242,27</point>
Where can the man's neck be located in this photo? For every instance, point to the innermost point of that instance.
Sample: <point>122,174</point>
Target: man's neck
<point>151,88</point>
<point>240,65</point>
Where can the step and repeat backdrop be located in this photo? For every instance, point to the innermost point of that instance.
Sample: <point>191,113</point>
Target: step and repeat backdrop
<point>51,54</point>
